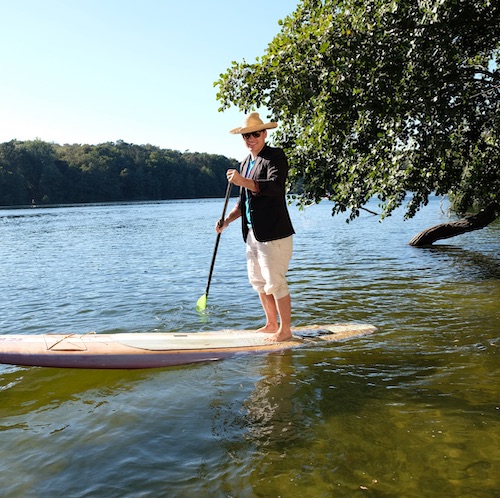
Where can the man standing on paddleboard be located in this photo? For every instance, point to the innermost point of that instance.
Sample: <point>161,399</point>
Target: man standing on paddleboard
<point>266,225</point>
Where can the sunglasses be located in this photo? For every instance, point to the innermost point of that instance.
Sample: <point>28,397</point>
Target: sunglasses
<point>255,134</point>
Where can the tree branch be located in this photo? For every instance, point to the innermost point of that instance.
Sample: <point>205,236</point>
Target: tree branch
<point>447,230</point>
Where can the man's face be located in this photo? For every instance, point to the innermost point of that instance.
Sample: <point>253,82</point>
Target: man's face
<point>255,140</point>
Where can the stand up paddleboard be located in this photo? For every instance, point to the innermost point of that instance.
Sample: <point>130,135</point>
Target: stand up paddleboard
<point>153,350</point>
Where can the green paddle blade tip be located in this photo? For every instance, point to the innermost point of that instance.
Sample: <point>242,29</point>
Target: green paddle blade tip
<point>201,304</point>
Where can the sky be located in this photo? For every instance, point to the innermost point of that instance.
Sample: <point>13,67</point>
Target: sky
<point>94,71</point>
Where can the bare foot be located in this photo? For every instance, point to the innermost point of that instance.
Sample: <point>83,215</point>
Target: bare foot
<point>269,328</point>
<point>280,336</point>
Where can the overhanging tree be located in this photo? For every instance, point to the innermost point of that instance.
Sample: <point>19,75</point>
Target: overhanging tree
<point>384,98</point>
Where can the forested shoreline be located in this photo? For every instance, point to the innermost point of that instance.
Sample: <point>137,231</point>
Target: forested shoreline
<point>47,173</point>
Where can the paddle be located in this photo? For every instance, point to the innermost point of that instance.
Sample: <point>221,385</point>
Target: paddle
<point>201,304</point>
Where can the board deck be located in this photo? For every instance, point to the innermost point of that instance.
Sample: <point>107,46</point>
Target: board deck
<point>153,350</point>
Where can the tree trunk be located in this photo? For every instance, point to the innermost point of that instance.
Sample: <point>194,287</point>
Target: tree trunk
<point>447,230</point>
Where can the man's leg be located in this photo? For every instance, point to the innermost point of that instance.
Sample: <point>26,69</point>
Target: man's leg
<point>284,332</point>
<point>267,267</point>
<point>271,311</point>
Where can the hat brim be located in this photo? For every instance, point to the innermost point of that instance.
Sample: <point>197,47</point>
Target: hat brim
<point>250,129</point>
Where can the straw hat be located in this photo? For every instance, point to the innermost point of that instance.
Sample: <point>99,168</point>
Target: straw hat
<point>252,122</point>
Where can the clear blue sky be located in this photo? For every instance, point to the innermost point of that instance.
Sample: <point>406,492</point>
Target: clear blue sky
<point>92,71</point>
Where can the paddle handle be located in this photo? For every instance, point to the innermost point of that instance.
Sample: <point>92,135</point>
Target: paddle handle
<point>226,200</point>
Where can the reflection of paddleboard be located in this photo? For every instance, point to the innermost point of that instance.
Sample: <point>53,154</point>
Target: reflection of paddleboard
<point>151,350</point>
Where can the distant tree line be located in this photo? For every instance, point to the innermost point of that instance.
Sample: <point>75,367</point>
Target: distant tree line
<point>48,173</point>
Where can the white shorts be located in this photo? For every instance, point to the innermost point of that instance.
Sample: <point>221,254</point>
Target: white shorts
<point>267,264</point>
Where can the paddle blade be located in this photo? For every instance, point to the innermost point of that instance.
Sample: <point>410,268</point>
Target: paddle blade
<point>201,304</point>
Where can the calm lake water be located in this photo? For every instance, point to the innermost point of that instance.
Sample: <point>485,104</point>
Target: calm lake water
<point>410,411</point>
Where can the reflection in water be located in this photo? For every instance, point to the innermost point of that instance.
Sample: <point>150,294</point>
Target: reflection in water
<point>273,416</point>
<point>353,417</point>
<point>49,388</point>
<point>467,264</point>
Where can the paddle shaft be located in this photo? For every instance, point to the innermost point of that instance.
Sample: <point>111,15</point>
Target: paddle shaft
<point>226,200</point>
